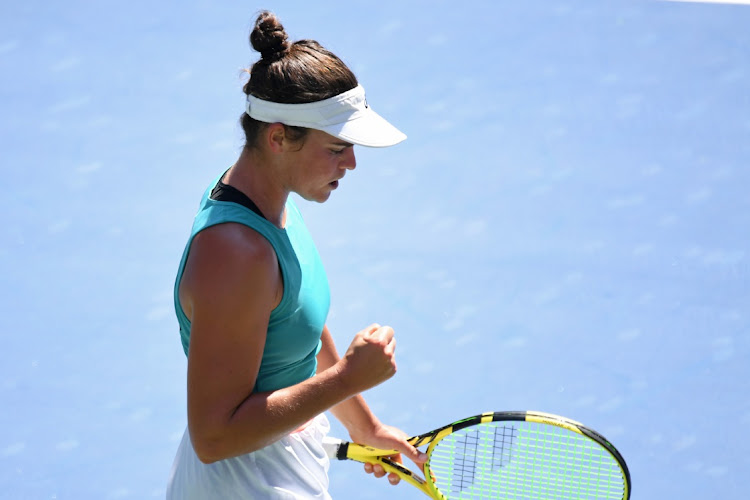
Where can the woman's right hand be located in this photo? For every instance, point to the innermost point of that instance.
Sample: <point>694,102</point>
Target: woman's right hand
<point>370,358</point>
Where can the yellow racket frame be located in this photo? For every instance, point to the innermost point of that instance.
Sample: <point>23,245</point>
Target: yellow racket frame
<point>368,454</point>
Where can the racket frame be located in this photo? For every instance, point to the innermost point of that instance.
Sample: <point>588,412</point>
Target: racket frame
<point>366,454</point>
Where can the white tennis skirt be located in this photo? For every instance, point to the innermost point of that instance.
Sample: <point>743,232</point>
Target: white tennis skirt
<point>293,468</point>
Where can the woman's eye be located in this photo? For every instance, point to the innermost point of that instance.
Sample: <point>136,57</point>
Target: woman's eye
<point>337,151</point>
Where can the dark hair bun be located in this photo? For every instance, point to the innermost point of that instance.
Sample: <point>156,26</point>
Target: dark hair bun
<point>268,37</point>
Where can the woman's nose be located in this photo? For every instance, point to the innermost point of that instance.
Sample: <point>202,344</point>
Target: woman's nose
<point>350,161</point>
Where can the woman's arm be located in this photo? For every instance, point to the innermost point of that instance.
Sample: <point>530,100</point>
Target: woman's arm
<point>353,413</point>
<point>229,288</point>
<point>363,426</point>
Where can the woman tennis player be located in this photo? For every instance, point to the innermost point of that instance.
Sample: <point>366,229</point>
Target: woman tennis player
<point>252,297</point>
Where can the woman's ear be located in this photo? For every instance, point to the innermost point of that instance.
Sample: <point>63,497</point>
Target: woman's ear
<point>276,137</point>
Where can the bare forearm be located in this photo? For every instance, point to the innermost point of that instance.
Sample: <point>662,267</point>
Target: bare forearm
<point>264,418</point>
<point>353,413</point>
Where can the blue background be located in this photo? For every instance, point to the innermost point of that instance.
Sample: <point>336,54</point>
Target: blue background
<point>566,229</point>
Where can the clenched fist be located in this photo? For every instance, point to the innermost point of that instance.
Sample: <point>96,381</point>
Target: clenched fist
<point>370,358</point>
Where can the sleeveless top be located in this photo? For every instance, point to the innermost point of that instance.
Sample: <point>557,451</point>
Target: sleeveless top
<point>296,324</point>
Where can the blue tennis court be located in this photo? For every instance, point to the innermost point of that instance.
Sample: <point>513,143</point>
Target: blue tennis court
<point>567,228</point>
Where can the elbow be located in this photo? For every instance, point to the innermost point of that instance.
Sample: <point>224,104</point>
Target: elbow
<point>207,450</point>
<point>209,445</point>
<point>208,438</point>
<point>214,448</point>
<point>206,459</point>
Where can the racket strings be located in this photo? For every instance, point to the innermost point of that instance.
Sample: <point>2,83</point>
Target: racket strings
<point>466,461</point>
<point>524,460</point>
<point>502,451</point>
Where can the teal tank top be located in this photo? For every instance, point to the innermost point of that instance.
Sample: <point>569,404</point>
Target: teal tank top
<point>296,324</point>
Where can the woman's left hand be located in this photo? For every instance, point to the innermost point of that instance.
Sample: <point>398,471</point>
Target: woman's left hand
<point>390,438</point>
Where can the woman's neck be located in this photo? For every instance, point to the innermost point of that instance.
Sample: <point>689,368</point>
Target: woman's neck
<point>260,181</point>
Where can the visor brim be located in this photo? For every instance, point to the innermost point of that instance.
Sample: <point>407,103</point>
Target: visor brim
<point>368,129</point>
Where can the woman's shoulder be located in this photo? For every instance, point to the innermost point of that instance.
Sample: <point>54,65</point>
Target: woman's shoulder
<point>229,264</point>
<point>234,242</point>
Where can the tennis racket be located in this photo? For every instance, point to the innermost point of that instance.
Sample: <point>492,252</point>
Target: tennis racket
<point>508,455</point>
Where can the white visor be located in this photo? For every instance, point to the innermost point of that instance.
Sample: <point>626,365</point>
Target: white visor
<point>346,116</point>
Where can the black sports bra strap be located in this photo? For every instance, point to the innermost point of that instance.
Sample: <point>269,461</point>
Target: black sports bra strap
<point>225,192</point>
